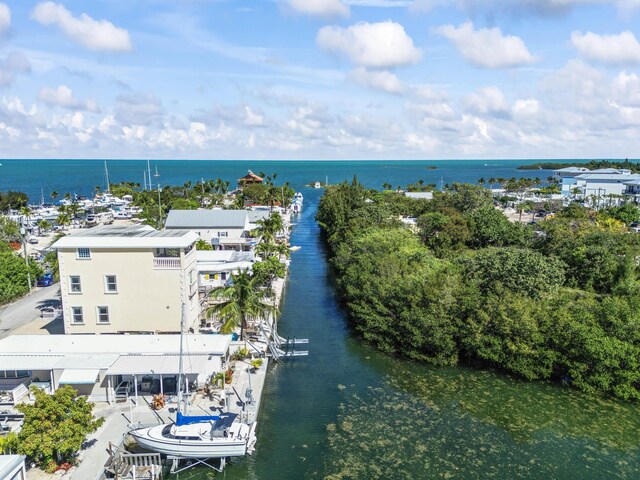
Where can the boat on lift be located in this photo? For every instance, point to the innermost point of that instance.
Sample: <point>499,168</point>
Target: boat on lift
<point>198,437</point>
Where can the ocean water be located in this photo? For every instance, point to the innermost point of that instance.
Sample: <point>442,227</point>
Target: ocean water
<point>349,412</point>
<point>41,177</point>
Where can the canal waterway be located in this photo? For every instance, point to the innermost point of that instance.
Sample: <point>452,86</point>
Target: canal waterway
<point>350,412</point>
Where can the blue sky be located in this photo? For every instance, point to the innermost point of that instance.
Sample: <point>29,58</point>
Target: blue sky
<point>320,79</point>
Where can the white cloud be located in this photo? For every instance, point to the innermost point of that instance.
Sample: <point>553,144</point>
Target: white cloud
<point>377,45</point>
<point>377,79</point>
<point>321,8</point>
<point>251,118</point>
<point>62,96</point>
<point>5,19</point>
<point>626,89</point>
<point>138,109</point>
<point>487,101</point>
<point>618,49</point>
<point>487,47</point>
<point>15,63</point>
<point>93,34</point>
<point>529,106</point>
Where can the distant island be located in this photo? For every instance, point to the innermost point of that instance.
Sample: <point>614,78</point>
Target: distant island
<point>592,165</point>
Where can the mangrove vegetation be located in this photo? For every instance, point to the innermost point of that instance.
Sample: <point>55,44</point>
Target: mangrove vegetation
<point>460,283</point>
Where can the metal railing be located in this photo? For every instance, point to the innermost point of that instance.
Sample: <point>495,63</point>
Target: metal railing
<point>164,263</point>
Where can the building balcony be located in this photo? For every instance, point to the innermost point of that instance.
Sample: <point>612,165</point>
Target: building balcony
<point>166,263</point>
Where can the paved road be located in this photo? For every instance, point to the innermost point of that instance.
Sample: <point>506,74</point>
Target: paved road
<point>28,308</point>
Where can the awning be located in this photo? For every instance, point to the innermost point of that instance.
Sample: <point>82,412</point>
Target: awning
<point>28,362</point>
<point>79,377</point>
<point>158,364</point>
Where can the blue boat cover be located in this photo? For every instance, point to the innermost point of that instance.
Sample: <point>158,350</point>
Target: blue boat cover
<point>189,419</point>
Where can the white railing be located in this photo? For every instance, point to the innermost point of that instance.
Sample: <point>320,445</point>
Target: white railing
<point>163,263</point>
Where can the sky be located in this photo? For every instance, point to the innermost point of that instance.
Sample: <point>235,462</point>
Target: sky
<point>320,79</point>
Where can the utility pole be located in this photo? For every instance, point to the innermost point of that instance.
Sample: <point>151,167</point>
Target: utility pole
<point>23,232</point>
<point>157,175</point>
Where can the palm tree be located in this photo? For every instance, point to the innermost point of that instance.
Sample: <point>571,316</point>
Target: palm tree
<point>44,225</point>
<point>241,300</point>
<point>491,182</point>
<point>63,219</point>
<point>54,195</point>
<point>266,249</point>
<point>269,227</point>
<point>481,181</point>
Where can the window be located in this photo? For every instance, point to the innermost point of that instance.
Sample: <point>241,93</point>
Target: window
<point>103,314</point>
<point>83,253</point>
<point>223,276</point>
<point>77,315</point>
<point>167,252</point>
<point>110,284</point>
<point>14,373</point>
<point>74,284</point>
<point>223,234</point>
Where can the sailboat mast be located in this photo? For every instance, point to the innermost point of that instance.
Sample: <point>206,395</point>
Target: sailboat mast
<point>149,173</point>
<point>106,174</point>
<point>180,367</point>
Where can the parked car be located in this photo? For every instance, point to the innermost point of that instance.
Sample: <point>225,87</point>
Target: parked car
<point>32,239</point>
<point>46,280</point>
<point>634,227</point>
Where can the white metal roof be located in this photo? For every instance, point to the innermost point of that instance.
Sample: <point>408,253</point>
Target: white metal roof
<point>127,236</point>
<point>608,176</point>
<point>419,195</point>
<point>157,364</point>
<point>207,219</point>
<point>79,377</point>
<point>80,362</point>
<point>118,344</point>
<point>29,362</point>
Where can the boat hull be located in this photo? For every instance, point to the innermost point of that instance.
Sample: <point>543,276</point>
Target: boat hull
<point>153,439</point>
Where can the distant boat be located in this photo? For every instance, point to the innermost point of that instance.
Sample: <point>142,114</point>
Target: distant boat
<point>295,248</point>
<point>317,185</point>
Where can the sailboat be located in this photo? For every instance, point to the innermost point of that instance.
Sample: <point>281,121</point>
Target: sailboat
<point>201,437</point>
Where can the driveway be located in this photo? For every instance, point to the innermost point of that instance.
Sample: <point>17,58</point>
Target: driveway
<point>28,308</point>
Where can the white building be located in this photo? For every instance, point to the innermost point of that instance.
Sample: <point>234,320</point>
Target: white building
<point>599,185</point>
<point>561,173</point>
<point>128,279</point>
<point>216,266</point>
<point>419,195</point>
<point>96,365</point>
<point>224,229</point>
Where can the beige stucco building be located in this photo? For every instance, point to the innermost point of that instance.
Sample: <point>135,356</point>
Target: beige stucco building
<point>128,279</point>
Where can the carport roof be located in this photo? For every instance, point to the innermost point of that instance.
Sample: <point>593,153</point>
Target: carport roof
<point>157,364</point>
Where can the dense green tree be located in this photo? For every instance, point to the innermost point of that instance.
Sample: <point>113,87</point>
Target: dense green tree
<point>9,230</point>
<point>13,274</point>
<point>519,270</point>
<point>13,200</point>
<point>202,244</point>
<point>626,213</point>
<point>269,269</point>
<point>55,426</point>
<point>490,228</point>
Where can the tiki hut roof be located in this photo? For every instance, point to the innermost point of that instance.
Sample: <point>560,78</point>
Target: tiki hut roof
<point>250,178</point>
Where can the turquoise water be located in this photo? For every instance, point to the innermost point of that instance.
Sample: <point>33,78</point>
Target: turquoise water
<point>82,176</point>
<point>349,412</point>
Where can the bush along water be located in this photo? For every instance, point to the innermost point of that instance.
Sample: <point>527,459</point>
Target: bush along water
<point>556,300</point>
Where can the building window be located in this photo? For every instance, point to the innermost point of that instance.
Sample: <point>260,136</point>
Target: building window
<point>103,314</point>
<point>74,284</point>
<point>223,276</point>
<point>77,315</point>
<point>223,234</point>
<point>167,252</point>
<point>14,373</point>
<point>110,284</point>
<point>83,253</point>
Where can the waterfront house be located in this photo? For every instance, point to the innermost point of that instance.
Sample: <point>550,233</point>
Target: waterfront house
<point>223,229</point>
<point>599,184</point>
<point>127,278</point>
<point>216,266</point>
<point>107,367</point>
<point>561,173</point>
